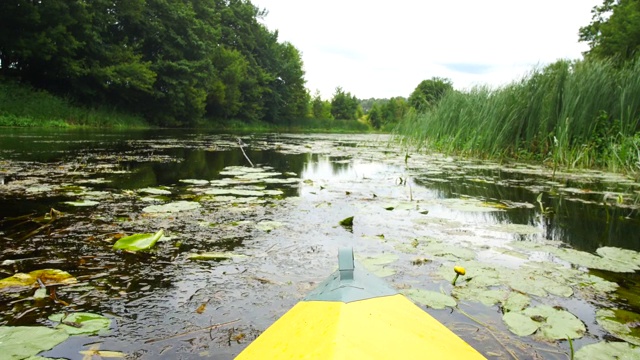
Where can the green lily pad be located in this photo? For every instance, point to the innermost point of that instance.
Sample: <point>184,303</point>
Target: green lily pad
<point>593,262</point>
<point>520,324</point>
<point>20,281</point>
<point>377,259</point>
<point>214,256</point>
<point>432,299</point>
<point>621,323</point>
<point>19,342</point>
<point>198,182</point>
<point>137,242</point>
<point>606,350</point>
<point>348,222</point>
<point>268,226</point>
<point>488,297</point>
<point>172,207</point>
<point>81,322</point>
<point>516,229</point>
<point>620,255</point>
<point>516,302</point>
<point>155,191</point>
<point>81,203</point>
<point>557,324</point>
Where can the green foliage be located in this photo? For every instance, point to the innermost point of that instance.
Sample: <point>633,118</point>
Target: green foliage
<point>177,63</point>
<point>574,114</point>
<point>614,31</point>
<point>320,109</point>
<point>429,92</point>
<point>24,106</point>
<point>344,106</point>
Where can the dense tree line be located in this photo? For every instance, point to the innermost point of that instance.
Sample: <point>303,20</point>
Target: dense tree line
<point>614,31</point>
<point>177,62</point>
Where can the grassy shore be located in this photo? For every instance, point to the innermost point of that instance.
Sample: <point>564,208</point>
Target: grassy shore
<point>582,114</point>
<point>23,106</point>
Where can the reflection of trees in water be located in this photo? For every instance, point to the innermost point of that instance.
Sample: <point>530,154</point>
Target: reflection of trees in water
<point>582,225</point>
<point>325,165</point>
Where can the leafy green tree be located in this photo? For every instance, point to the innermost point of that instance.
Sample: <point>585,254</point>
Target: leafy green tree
<point>614,31</point>
<point>375,116</point>
<point>175,61</point>
<point>320,109</point>
<point>344,106</point>
<point>429,92</point>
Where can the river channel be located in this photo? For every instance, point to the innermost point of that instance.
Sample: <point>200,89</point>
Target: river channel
<point>536,243</point>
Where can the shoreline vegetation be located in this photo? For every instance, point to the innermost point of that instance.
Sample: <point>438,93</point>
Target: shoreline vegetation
<point>22,106</point>
<point>569,114</point>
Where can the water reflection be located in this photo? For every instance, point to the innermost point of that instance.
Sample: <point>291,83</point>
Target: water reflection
<point>580,223</point>
<point>154,295</point>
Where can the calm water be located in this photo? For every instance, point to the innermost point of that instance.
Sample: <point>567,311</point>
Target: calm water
<point>164,305</point>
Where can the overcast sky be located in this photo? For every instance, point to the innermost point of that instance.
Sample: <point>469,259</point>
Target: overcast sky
<point>383,49</point>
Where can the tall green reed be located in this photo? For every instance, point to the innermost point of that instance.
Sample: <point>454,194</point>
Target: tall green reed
<point>569,114</point>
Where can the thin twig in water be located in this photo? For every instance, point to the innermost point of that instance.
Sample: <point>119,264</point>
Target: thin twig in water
<point>193,331</point>
<point>242,144</point>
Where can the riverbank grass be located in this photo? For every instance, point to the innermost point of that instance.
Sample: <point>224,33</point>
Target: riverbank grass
<point>23,106</point>
<point>582,114</point>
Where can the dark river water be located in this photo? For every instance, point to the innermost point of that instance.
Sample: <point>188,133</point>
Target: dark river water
<point>273,206</point>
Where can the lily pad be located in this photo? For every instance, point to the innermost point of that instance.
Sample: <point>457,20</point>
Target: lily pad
<point>81,322</point>
<point>137,242</point>
<point>47,276</point>
<point>199,182</point>
<point>19,342</point>
<point>621,323</point>
<point>557,324</point>
<point>81,203</point>
<point>172,207</point>
<point>348,222</point>
<point>268,226</point>
<point>516,302</point>
<point>155,191</point>
<point>593,261</point>
<point>620,255</point>
<point>606,350</point>
<point>432,299</point>
<point>520,324</point>
<point>516,229</point>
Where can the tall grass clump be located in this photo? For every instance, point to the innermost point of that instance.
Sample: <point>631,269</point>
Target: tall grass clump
<point>569,114</point>
<point>23,106</point>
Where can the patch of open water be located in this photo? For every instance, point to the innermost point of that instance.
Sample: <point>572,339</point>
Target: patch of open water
<point>414,218</point>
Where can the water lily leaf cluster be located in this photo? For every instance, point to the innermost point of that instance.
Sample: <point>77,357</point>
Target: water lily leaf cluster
<point>547,322</point>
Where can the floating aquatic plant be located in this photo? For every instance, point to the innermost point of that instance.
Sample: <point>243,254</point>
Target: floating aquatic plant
<point>21,342</point>
<point>137,242</point>
<point>81,322</point>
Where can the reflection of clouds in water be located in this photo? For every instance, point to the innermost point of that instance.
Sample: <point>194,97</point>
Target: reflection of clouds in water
<point>340,168</point>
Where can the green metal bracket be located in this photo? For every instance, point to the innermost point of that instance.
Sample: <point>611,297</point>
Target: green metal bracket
<point>345,263</point>
<point>350,283</point>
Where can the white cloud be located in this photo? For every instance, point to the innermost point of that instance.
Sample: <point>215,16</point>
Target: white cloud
<point>385,48</point>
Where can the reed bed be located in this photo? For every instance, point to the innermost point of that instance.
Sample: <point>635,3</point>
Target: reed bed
<point>571,114</point>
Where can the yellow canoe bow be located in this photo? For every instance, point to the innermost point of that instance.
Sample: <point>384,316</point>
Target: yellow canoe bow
<point>355,315</point>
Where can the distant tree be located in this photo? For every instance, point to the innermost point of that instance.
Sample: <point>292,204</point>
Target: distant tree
<point>429,92</point>
<point>320,109</point>
<point>614,31</point>
<point>344,106</point>
<point>375,116</point>
<point>394,110</point>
